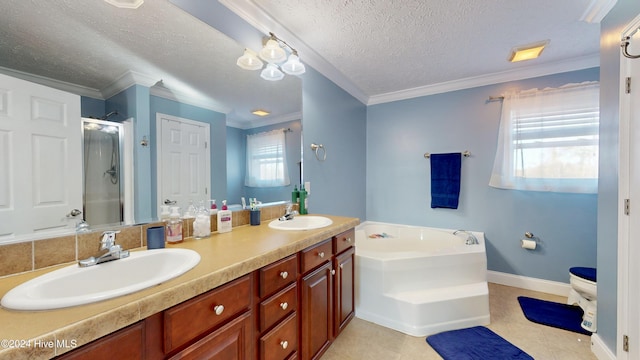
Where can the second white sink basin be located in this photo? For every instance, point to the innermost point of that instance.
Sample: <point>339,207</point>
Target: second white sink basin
<point>74,285</point>
<point>301,222</point>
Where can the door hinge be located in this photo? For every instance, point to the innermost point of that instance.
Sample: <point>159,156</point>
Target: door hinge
<point>206,145</point>
<point>625,343</point>
<point>206,191</point>
<point>627,85</point>
<point>627,206</point>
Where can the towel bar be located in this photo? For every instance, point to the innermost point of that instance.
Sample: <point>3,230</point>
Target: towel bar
<point>465,153</point>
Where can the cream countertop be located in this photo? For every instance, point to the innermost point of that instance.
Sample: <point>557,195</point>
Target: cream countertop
<point>224,257</point>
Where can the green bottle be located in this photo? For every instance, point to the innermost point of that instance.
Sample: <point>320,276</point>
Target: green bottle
<point>295,195</point>
<point>303,201</point>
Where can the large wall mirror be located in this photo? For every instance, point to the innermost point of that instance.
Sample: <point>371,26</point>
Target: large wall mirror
<point>188,70</point>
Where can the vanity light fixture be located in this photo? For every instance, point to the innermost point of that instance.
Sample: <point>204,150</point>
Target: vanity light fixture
<point>260,112</point>
<point>274,53</point>
<point>126,4</point>
<point>527,52</point>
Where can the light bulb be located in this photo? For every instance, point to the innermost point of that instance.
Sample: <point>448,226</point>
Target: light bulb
<point>249,61</point>
<point>272,52</point>
<point>293,66</point>
<point>271,73</point>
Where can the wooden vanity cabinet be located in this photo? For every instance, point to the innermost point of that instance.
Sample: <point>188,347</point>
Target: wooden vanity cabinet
<point>291,309</point>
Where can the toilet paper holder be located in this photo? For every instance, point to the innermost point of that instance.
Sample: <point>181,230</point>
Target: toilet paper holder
<point>530,242</point>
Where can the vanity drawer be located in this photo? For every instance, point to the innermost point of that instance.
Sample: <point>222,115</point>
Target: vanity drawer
<point>192,318</point>
<point>313,256</point>
<point>278,306</point>
<point>278,275</point>
<point>342,242</point>
<point>282,341</point>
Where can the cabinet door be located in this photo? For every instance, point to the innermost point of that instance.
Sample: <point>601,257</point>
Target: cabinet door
<point>232,341</point>
<point>316,312</point>
<point>344,293</point>
<point>127,343</point>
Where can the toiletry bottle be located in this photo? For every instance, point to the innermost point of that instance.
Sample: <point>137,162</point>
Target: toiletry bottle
<point>164,213</point>
<point>224,205</point>
<point>202,223</point>
<point>295,195</point>
<point>174,227</point>
<point>224,221</point>
<point>303,201</point>
<point>214,207</point>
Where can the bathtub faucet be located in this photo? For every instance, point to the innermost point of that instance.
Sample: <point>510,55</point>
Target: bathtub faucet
<point>471,239</point>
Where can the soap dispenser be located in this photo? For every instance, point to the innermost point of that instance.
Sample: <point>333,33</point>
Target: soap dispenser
<point>174,227</point>
<point>303,201</point>
<point>295,195</point>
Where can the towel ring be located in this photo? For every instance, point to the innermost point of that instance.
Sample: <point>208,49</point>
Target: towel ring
<point>316,147</point>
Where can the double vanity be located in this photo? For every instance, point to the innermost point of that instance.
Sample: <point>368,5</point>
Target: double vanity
<point>258,292</point>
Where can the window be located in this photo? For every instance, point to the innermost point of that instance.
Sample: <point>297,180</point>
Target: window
<point>266,160</point>
<point>548,140</point>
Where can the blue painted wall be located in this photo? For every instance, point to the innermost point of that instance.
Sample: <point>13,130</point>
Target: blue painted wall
<point>611,28</point>
<point>398,180</point>
<point>217,136</point>
<point>236,157</point>
<point>334,118</point>
<point>92,107</point>
<point>134,102</point>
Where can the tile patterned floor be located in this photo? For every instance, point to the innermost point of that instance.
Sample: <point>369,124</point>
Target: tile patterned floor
<point>365,340</point>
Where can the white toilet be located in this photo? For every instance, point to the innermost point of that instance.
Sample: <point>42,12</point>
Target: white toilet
<point>584,294</point>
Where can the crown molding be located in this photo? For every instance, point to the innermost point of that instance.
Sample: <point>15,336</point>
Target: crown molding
<point>266,121</point>
<point>125,81</point>
<point>597,10</point>
<point>181,97</point>
<point>261,20</point>
<point>490,79</point>
<point>56,84</point>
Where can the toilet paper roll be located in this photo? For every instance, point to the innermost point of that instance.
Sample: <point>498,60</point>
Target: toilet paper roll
<point>528,244</point>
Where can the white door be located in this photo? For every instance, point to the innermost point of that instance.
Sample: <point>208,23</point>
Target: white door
<point>629,221</point>
<point>183,161</point>
<point>40,158</point>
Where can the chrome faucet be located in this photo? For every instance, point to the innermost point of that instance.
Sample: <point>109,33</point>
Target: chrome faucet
<point>471,239</point>
<point>108,251</point>
<point>289,213</point>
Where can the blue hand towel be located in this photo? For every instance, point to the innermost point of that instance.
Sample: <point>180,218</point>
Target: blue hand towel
<point>445,180</point>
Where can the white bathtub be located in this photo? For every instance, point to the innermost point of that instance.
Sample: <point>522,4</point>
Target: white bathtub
<point>418,280</point>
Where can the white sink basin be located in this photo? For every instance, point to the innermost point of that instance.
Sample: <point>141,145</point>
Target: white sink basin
<point>73,285</point>
<point>301,222</point>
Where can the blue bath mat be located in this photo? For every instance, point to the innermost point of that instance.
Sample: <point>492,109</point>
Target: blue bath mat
<point>562,316</point>
<point>476,343</point>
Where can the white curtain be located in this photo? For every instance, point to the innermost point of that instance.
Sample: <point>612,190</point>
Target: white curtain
<point>548,140</point>
<point>267,160</point>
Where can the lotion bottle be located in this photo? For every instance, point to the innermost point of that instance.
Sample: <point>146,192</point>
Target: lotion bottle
<point>224,221</point>
<point>303,201</point>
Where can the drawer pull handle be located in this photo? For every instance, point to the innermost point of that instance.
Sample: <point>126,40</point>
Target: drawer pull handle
<point>284,344</point>
<point>284,305</point>
<point>348,240</point>
<point>333,271</point>
<point>284,274</point>
<point>321,254</point>
<point>218,309</point>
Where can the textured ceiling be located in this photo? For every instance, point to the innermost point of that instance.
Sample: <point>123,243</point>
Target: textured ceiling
<point>376,47</point>
<point>92,44</point>
<point>385,46</point>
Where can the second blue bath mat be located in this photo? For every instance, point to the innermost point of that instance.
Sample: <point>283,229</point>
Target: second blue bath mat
<point>562,316</point>
<point>476,343</point>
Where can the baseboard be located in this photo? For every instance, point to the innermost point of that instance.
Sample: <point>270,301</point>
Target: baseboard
<point>600,349</point>
<point>529,283</point>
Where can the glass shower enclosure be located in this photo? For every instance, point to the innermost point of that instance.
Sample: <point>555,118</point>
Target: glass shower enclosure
<point>103,143</point>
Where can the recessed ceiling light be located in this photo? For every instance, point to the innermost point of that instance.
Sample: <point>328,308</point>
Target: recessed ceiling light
<point>126,4</point>
<point>260,112</point>
<point>527,52</point>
